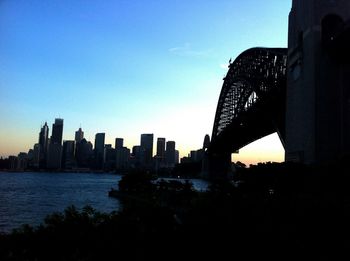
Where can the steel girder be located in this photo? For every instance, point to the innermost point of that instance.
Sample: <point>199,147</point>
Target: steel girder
<point>256,81</point>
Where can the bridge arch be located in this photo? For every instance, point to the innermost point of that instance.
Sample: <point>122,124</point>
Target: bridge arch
<point>251,106</point>
<point>252,95</point>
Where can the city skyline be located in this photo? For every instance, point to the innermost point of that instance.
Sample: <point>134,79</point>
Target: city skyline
<point>157,69</point>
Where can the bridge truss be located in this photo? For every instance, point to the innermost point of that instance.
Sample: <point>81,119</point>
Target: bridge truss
<point>252,100</point>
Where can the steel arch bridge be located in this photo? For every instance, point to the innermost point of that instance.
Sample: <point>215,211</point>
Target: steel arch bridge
<point>251,103</point>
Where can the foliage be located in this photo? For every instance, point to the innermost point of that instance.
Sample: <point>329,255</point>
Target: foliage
<point>279,211</point>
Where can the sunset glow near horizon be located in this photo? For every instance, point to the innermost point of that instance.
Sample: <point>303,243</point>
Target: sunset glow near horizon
<point>127,68</point>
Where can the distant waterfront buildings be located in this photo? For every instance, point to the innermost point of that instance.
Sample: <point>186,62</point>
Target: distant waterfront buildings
<point>68,155</point>
<point>80,154</point>
<point>177,157</point>
<point>57,132</point>
<point>36,156</point>
<point>122,159</point>
<point>54,158</point>
<point>146,150</point>
<point>79,135</point>
<point>119,143</point>
<point>170,154</point>
<point>160,148</point>
<point>135,160</point>
<point>99,150</point>
<point>84,154</point>
<point>43,145</point>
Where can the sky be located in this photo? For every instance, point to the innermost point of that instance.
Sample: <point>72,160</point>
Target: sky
<point>127,67</point>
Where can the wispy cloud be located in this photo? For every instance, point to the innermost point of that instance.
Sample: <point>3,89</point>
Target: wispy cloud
<point>186,50</point>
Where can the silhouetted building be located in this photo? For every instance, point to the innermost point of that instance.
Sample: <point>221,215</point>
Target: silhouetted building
<point>99,149</point>
<point>68,157</point>
<point>135,160</point>
<point>12,162</point>
<point>161,148</point>
<point>109,158</point>
<point>185,160</point>
<point>146,150</point>
<point>177,157</point>
<point>54,156</point>
<point>84,154</point>
<point>57,132</point>
<point>22,161</point>
<point>43,145</point>
<point>122,158</point>
<point>122,155</point>
<point>170,154</point>
<point>36,156</point>
<point>119,143</point>
<point>196,155</point>
<point>79,135</point>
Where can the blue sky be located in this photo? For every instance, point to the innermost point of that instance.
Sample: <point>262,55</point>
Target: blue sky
<point>125,67</point>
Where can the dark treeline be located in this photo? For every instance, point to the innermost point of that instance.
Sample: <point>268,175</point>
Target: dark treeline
<point>274,211</point>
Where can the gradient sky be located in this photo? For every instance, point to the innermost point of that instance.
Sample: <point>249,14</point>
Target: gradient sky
<point>126,67</point>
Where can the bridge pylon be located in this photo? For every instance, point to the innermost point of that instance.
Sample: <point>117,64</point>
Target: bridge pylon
<point>318,82</point>
<point>216,165</point>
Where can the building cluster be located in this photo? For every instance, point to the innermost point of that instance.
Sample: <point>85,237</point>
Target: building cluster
<point>53,153</point>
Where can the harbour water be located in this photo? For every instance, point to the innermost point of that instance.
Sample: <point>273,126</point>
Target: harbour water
<point>28,197</point>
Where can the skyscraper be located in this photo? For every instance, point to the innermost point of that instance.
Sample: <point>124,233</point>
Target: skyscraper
<point>43,145</point>
<point>99,149</point>
<point>161,148</point>
<point>68,155</point>
<point>79,135</point>
<point>177,157</point>
<point>146,150</point>
<point>55,146</point>
<point>84,153</point>
<point>57,131</point>
<point>119,143</point>
<point>170,153</point>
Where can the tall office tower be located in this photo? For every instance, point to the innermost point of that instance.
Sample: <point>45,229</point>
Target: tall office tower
<point>122,155</point>
<point>54,156</point>
<point>79,135</point>
<point>318,94</point>
<point>99,149</point>
<point>122,158</point>
<point>170,153</point>
<point>57,131</point>
<point>55,146</point>
<point>43,145</point>
<point>135,159</point>
<point>160,148</point>
<point>146,150</point>
<point>119,143</point>
<point>109,158</point>
<point>84,153</point>
<point>177,157</point>
<point>36,155</point>
<point>68,157</point>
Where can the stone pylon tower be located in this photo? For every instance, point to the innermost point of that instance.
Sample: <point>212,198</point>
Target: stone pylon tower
<point>318,85</point>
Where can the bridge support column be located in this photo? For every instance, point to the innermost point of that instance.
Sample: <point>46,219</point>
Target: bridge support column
<point>318,96</point>
<point>216,165</point>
